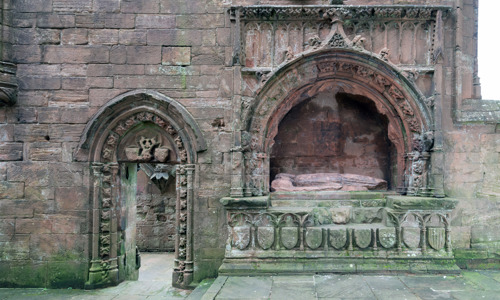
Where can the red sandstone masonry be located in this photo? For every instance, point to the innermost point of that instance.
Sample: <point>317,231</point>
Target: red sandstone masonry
<point>103,36</point>
<point>74,56</point>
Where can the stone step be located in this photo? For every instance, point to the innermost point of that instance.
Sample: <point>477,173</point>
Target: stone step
<point>340,265</point>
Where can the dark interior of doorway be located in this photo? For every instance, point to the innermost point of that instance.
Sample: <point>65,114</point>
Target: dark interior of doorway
<point>155,225</point>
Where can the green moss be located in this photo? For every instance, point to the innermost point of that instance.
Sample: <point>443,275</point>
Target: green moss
<point>66,274</point>
<point>206,269</point>
<point>23,274</point>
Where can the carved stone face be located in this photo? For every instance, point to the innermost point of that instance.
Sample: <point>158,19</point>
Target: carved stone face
<point>147,143</point>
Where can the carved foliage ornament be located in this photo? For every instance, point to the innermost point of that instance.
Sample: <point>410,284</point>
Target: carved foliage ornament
<point>329,68</point>
<point>148,148</point>
<point>182,223</point>
<point>343,12</point>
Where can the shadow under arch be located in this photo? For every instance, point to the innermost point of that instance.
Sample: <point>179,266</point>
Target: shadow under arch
<point>136,127</point>
<point>339,70</point>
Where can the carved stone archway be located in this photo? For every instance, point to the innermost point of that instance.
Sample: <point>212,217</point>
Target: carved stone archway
<point>138,126</point>
<point>338,66</point>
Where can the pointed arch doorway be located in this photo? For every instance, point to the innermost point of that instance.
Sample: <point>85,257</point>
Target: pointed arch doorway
<point>136,127</point>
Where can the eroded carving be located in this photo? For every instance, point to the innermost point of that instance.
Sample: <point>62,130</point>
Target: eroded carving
<point>146,148</point>
<point>326,182</point>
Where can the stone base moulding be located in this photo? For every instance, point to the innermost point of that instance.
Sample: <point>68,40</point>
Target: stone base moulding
<point>338,232</point>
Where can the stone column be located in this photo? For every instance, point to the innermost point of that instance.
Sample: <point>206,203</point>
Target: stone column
<point>237,162</point>
<point>437,156</point>
<point>95,260</point>
<point>115,193</point>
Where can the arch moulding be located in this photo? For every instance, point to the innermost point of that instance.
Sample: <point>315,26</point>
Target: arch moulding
<point>137,127</point>
<point>347,70</point>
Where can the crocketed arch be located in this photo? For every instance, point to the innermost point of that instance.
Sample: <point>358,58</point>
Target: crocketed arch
<point>340,70</point>
<point>138,105</point>
<point>348,71</point>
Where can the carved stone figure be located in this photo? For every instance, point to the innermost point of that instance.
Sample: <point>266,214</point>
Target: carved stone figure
<point>326,182</point>
<point>359,42</point>
<point>314,42</point>
<point>384,54</point>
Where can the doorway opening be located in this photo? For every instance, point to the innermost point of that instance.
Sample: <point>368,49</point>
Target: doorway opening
<point>155,221</point>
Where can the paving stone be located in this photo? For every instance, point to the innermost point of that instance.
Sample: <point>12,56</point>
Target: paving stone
<point>340,287</point>
<point>475,295</point>
<point>440,283</point>
<point>246,288</point>
<point>482,281</point>
<point>430,294</point>
<point>491,273</point>
<point>293,290</point>
<point>389,287</point>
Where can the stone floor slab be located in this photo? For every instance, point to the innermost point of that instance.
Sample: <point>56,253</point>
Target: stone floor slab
<point>475,295</point>
<point>491,273</point>
<point>246,288</point>
<point>482,281</point>
<point>475,285</point>
<point>293,290</point>
<point>430,294</point>
<point>389,287</point>
<point>342,287</point>
<point>438,283</point>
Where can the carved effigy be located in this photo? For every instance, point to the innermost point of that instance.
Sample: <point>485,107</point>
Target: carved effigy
<point>326,182</point>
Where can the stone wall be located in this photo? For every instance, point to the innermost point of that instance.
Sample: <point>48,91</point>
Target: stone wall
<point>75,56</point>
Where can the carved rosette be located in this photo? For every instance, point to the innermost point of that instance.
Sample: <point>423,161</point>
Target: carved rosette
<point>104,263</point>
<point>145,151</point>
<point>183,268</point>
<point>108,191</point>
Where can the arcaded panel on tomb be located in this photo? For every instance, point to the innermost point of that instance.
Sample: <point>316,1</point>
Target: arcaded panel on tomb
<point>333,133</point>
<point>269,34</point>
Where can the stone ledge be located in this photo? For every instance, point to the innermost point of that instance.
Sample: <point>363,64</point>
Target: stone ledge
<point>420,203</point>
<point>245,202</point>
